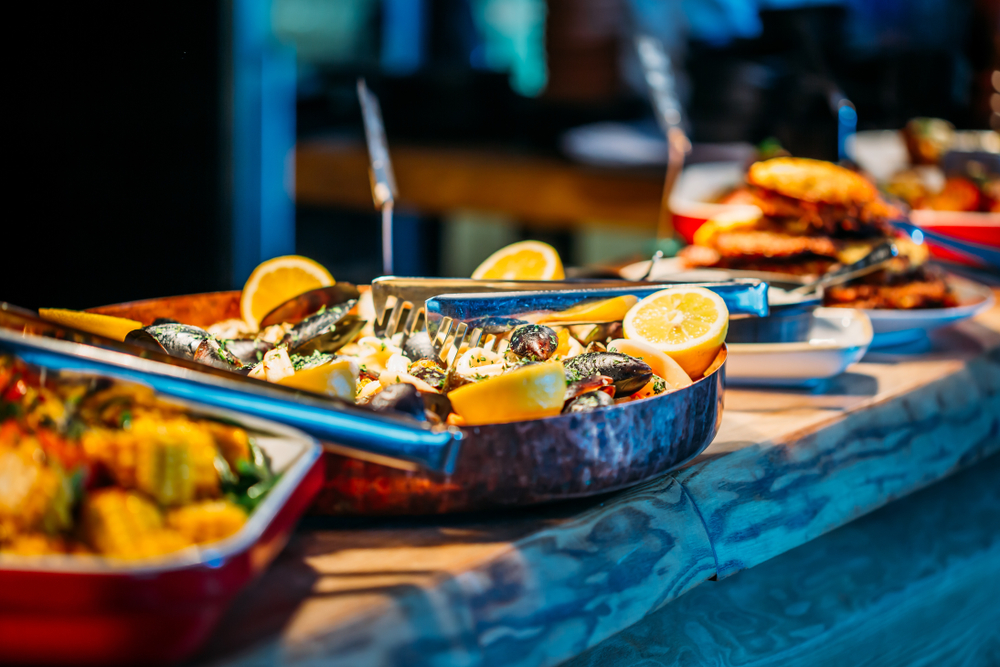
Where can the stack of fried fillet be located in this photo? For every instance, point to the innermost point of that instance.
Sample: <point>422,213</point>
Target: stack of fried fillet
<point>817,215</point>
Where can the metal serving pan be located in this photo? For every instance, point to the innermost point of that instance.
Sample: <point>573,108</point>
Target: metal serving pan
<point>498,465</point>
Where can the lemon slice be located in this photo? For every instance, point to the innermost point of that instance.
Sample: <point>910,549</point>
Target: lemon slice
<point>744,217</point>
<point>276,281</point>
<point>595,312</point>
<point>527,260</point>
<point>662,365</point>
<point>531,392</point>
<point>688,324</point>
<point>337,378</point>
<point>102,325</point>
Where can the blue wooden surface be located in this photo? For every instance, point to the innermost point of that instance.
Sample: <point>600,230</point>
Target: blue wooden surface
<point>765,499</point>
<point>915,583</point>
<point>562,589</point>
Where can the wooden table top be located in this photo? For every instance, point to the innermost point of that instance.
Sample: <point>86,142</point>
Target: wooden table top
<point>541,585</point>
<point>538,191</point>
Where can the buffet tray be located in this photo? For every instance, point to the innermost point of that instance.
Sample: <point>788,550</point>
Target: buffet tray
<point>503,465</point>
<point>72,609</point>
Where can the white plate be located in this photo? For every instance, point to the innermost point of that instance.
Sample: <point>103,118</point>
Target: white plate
<point>838,338</point>
<point>895,327</point>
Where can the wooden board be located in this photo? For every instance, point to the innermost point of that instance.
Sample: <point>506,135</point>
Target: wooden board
<point>915,583</point>
<point>540,586</point>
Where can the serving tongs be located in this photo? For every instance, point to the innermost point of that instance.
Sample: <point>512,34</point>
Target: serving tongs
<point>484,319</point>
<point>459,311</point>
<point>344,427</point>
<point>878,258</point>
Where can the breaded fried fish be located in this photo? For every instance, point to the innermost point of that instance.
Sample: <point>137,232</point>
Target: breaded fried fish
<point>812,181</point>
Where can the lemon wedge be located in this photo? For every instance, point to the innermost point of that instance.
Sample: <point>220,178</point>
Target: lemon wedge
<point>531,392</point>
<point>526,260</point>
<point>688,324</point>
<point>276,281</point>
<point>102,325</point>
<point>595,312</point>
<point>337,378</point>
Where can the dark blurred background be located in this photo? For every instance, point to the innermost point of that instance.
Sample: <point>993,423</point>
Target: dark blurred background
<point>167,148</point>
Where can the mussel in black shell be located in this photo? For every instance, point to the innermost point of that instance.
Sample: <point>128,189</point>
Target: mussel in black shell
<point>326,331</point>
<point>186,342</point>
<point>534,341</point>
<point>628,374</point>
<point>407,399</point>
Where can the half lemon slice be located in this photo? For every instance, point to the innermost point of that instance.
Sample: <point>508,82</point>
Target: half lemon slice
<point>276,281</point>
<point>688,324</point>
<point>527,260</point>
<point>337,378</point>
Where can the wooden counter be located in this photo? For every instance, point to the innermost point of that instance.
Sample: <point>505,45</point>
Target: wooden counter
<point>539,586</point>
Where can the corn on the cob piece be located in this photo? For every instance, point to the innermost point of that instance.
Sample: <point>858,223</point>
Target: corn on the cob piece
<point>125,524</point>
<point>207,521</point>
<point>27,491</point>
<point>232,441</point>
<point>116,450</point>
<point>171,459</point>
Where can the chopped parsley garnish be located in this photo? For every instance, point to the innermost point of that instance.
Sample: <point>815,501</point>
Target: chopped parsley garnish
<point>300,361</point>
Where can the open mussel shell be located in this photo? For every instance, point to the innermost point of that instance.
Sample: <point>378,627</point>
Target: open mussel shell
<point>308,303</point>
<point>248,349</point>
<point>318,323</point>
<point>144,339</point>
<point>628,374</point>
<point>407,399</point>
<point>214,353</point>
<point>177,340</point>
<point>330,339</point>
<point>185,342</point>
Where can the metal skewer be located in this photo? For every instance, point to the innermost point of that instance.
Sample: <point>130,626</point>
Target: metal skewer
<point>658,71</point>
<point>380,168</point>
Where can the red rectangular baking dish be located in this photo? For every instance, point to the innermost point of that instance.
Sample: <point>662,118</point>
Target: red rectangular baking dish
<point>84,610</point>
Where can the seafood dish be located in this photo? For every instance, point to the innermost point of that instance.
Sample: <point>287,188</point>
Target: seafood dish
<point>596,355</point>
<point>90,466</point>
<point>811,217</point>
<point>542,370</point>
